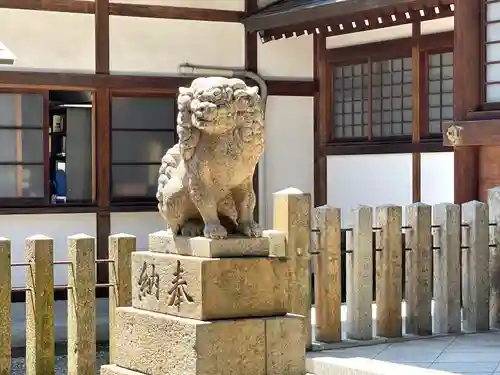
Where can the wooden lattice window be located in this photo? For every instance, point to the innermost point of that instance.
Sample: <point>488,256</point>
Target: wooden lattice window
<point>492,51</point>
<point>392,97</point>
<point>440,89</point>
<point>373,99</point>
<point>351,101</point>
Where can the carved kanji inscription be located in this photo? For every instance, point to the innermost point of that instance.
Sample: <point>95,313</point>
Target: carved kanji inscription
<point>149,281</point>
<point>178,293</point>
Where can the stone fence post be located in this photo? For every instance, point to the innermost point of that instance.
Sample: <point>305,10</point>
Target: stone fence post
<point>292,216</point>
<point>81,305</point>
<point>5,306</point>
<point>40,305</point>
<point>359,276</point>
<point>389,281</point>
<point>494,217</point>
<point>446,219</point>
<point>418,269</point>
<point>121,247</point>
<point>328,280</point>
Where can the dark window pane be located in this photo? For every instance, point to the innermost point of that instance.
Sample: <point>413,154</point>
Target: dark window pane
<point>18,110</point>
<point>140,146</point>
<point>135,180</point>
<point>143,113</point>
<point>21,146</point>
<point>21,181</point>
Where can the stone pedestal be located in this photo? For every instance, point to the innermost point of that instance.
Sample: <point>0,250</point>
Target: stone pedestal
<point>205,307</point>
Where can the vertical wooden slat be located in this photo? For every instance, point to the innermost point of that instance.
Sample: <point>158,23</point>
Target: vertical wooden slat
<point>446,218</point>
<point>494,217</point>
<point>418,269</point>
<point>5,306</point>
<point>121,247</point>
<point>328,280</point>
<point>359,276</point>
<point>467,92</point>
<point>40,306</point>
<point>389,281</point>
<point>292,215</point>
<point>46,142</point>
<point>101,23</point>
<point>19,144</point>
<point>81,305</point>
<point>475,267</point>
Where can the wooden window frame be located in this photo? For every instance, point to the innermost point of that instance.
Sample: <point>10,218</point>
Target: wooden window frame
<point>486,106</point>
<point>45,201</point>
<point>379,51</point>
<point>145,202</point>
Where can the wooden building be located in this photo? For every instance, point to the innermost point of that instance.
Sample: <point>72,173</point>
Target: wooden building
<point>358,92</point>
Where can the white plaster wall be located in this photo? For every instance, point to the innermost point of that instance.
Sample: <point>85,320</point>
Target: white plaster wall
<point>48,41</point>
<point>238,5</point>
<point>289,158</point>
<point>371,180</point>
<point>388,33</point>
<point>291,58</point>
<point>139,224</point>
<point>56,226</point>
<point>437,177</point>
<point>150,46</point>
<point>376,180</point>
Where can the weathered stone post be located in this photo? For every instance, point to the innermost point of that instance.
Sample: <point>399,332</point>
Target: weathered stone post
<point>419,269</point>
<point>359,276</point>
<point>446,218</point>
<point>328,275</point>
<point>81,305</point>
<point>475,266</point>
<point>292,215</point>
<point>121,247</point>
<point>389,282</point>
<point>5,306</point>
<point>494,217</point>
<point>40,305</point>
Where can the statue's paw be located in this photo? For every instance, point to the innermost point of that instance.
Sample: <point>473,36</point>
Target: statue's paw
<point>215,231</point>
<point>192,228</point>
<point>250,229</point>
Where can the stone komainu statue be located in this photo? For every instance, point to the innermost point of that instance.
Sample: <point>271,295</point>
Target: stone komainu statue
<point>206,180</point>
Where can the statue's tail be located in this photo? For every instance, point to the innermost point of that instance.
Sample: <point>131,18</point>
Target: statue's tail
<point>169,163</point>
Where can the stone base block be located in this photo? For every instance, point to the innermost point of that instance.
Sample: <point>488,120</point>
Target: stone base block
<point>233,246</point>
<point>209,288</point>
<point>117,370</point>
<point>159,344</point>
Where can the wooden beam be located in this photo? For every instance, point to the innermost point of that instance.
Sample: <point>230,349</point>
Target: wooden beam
<point>172,12</point>
<point>463,134</point>
<point>467,92</point>
<point>127,10</point>
<point>76,81</point>
<point>419,107</point>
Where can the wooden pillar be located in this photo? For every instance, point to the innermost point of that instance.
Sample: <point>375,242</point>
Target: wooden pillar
<point>322,117</point>
<point>102,120</point>
<point>467,92</point>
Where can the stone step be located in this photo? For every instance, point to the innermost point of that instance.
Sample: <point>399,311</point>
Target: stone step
<point>209,288</point>
<point>159,344</point>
